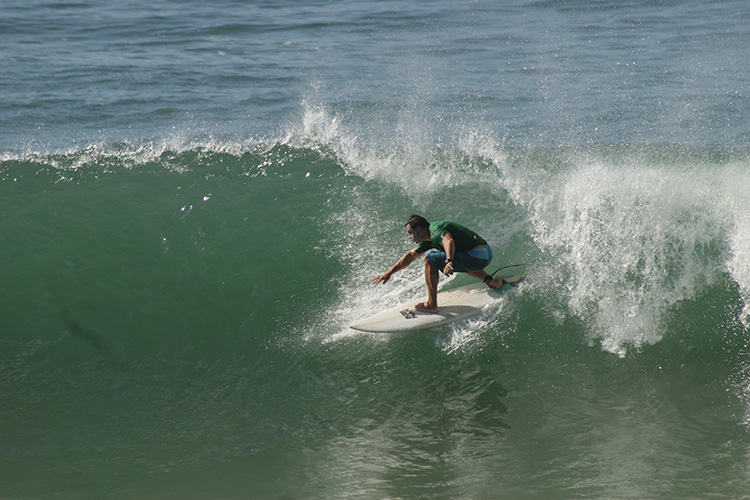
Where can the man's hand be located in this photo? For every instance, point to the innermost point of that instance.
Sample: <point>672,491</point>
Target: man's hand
<point>449,246</point>
<point>448,269</point>
<point>382,279</point>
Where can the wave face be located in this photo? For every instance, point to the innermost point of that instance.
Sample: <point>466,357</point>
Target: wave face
<point>182,305</point>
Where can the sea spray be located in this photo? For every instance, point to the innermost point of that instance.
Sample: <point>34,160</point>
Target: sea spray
<point>734,185</point>
<point>624,234</point>
<point>628,239</point>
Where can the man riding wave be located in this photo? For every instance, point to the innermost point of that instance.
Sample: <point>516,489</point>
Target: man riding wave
<point>459,249</point>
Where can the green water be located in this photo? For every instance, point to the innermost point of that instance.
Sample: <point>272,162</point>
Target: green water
<point>174,325</point>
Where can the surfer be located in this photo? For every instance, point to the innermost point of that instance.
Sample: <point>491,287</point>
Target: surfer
<point>459,249</point>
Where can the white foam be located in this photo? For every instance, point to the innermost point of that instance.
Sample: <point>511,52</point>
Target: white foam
<point>633,240</point>
<point>625,237</point>
<point>736,184</point>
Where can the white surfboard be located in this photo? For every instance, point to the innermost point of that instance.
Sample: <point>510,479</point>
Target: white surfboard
<point>453,305</point>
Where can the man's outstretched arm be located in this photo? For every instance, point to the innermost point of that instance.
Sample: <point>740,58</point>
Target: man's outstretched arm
<point>402,263</point>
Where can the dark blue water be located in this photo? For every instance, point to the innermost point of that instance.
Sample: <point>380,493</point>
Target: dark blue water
<point>195,197</point>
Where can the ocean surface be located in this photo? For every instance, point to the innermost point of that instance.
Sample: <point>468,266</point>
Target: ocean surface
<point>195,197</point>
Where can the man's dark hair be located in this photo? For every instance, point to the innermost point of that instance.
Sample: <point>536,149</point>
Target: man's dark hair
<point>417,221</point>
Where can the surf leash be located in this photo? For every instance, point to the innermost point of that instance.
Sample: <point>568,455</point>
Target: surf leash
<point>508,267</point>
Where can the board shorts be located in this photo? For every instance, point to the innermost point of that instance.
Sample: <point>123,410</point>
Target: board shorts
<point>463,262</point>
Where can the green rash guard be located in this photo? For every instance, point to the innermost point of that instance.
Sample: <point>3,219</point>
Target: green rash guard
<point>465,238</point>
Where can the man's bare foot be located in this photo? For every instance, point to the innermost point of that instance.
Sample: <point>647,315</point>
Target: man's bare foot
<point>425,307</point>
<point>497,282</point>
